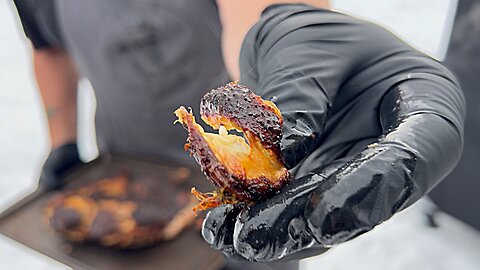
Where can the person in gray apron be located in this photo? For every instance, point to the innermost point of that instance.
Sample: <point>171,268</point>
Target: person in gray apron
<point>144,58</point>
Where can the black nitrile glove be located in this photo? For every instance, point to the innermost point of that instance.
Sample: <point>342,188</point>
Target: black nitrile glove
<point>59,162</point>
<point>370,126</point>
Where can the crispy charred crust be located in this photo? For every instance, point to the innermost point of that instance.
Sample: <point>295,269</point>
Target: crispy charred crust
<point>248,111</point>
<point>121,212</point>
<point>246,190</point>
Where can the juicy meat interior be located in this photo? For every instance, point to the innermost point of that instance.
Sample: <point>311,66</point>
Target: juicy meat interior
<point>243,156</point>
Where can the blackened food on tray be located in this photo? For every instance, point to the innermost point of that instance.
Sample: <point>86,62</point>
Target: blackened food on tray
<point>123,211</point>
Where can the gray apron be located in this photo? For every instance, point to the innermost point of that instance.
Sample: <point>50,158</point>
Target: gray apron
<point>144,59</point>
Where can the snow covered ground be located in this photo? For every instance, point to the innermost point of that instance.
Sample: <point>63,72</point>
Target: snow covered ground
<point>404,242</point>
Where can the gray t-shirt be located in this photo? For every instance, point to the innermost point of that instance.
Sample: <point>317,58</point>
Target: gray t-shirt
<point>144,59</point>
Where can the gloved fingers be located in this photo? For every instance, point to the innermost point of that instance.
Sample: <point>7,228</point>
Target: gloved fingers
<point>301,132</point>
<point>426,114</point>
<point>59,162</point>
<point>63,157</point>
<point>364,192</point>
<point>218,228</point>
<point>269,230</point>
<point>422,120</point>
<point>276,228</point>
<point>49,180</point>
<point>266,238</point>
<point>422,93</point>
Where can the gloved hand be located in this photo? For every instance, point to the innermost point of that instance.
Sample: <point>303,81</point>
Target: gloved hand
<point>370,125</point>
<point>60,161</point>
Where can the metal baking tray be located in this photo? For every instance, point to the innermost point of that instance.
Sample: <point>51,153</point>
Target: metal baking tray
<point>24,222</point>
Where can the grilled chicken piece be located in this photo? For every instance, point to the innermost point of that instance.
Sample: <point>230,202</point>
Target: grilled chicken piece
<point>244,169</point>
<point>122,212</point>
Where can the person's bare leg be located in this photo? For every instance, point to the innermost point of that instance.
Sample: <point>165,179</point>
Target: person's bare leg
<point>237,17</point>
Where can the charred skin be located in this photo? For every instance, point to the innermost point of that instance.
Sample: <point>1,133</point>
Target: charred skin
<point>243,171</point>
<point>233,186</point>
<point>237,106</point>
<point>122,213</point>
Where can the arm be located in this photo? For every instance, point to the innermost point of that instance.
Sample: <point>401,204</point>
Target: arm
<point>57,82</point>
<point>237,17</point>
<point>55,74</point>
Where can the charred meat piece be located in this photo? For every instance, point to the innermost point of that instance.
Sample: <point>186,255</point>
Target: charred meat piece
<point>123,211</point>
<point>244,169</point>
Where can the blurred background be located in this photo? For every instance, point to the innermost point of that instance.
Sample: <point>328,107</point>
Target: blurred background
<point>410,240</point>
